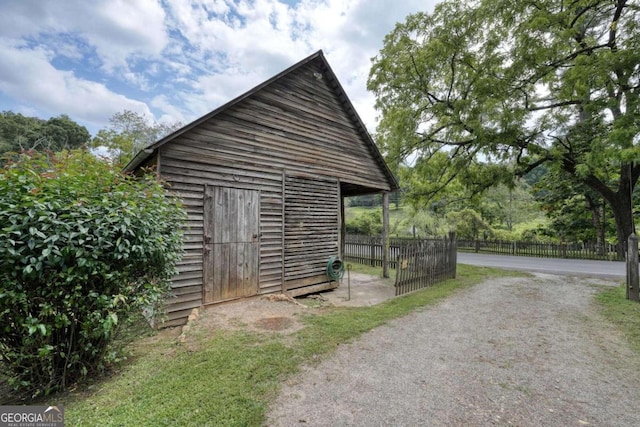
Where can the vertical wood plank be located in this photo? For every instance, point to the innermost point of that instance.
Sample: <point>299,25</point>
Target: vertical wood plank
<point>225,277</point>
<point>254,214</point>
<point>217,272</point>
<point>243,267</point>
<point>207,273</point>
<point>240,206</point>
<point>208,204</point>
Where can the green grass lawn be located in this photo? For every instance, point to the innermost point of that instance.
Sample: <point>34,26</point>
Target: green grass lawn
<point>624,314</point>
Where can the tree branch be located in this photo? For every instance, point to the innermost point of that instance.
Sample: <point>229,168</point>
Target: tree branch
<point>532,166</point>
<point>453,76</point>
<point>620,5</point>
<point>556,105</point>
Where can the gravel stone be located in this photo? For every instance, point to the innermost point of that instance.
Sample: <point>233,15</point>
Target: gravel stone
<point>525,351</point>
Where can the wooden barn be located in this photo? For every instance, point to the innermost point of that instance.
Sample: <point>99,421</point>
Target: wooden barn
<point>263,179</point>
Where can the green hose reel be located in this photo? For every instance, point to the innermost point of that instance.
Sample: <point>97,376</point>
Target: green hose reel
<point>335,268</point>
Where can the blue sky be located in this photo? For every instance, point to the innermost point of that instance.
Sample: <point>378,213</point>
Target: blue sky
<point>175,60</point>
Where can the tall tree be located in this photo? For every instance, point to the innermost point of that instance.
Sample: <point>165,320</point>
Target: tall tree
<point>530,81</point>
<point>576,211</point>
<point>128,133</point>
<point>18,132</point>
<point>505,206</point>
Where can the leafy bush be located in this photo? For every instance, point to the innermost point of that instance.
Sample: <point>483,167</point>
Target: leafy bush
<point>468,224</point>
<point>81,247</point>
<point>367,223</point>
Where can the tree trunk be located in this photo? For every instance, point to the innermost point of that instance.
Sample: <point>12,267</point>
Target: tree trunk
<point>596,220</point>
<point>621,208</point>
<point>603,228</point>
<point>620,202</point>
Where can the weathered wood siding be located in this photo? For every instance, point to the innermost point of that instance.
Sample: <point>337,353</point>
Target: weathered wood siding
<point>311,230</point>
<point>187,285</point>
<point>188,172</point>
<point>296,124</point>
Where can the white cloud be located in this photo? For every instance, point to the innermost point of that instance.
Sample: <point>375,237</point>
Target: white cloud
<point>116,29</point>
<point>28,75</point>
<point>171,113</point>
<point>125,28</point>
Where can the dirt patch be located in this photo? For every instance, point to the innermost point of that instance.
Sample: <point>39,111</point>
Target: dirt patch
<point>278,313</point>
<point>256,314</point>
<point>277,323</point>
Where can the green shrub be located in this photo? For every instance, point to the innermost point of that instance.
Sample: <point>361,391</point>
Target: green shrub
<point>367,223</point>
<point>81,247</point>
<point>468,224</point>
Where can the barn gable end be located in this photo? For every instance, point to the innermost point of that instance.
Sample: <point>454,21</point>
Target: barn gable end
<point>295,147</point>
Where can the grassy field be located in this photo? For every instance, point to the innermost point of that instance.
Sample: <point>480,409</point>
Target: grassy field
<point>229,378</point>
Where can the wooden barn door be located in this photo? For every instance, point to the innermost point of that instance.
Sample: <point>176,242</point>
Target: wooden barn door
<point>231,243</point>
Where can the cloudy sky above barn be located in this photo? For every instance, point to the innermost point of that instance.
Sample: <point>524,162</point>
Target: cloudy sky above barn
<point>175,60</point>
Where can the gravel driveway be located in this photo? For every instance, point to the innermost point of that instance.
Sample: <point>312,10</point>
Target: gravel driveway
<point>512,351</point>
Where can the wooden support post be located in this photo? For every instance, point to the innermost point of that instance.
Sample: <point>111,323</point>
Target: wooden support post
<point>633,293</point>
<point>385,234</point>
<point>453,248</point>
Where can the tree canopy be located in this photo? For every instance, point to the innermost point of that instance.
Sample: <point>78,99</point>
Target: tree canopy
<point>518,84</point>
<point>18,133</point>
<point>128,133</point>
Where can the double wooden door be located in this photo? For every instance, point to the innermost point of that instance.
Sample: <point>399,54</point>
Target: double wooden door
<point>231,243</point>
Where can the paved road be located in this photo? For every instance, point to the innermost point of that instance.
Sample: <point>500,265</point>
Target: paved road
<point>609,269</point>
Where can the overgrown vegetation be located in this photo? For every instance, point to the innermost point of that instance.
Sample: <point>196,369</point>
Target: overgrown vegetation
<point>81,247</point>
<point>228,378</point>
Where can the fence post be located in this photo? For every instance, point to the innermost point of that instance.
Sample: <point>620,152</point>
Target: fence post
<point>633,293</point>
<point>453,252</point>
<point>385,234</point>
<point>372,253</point>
